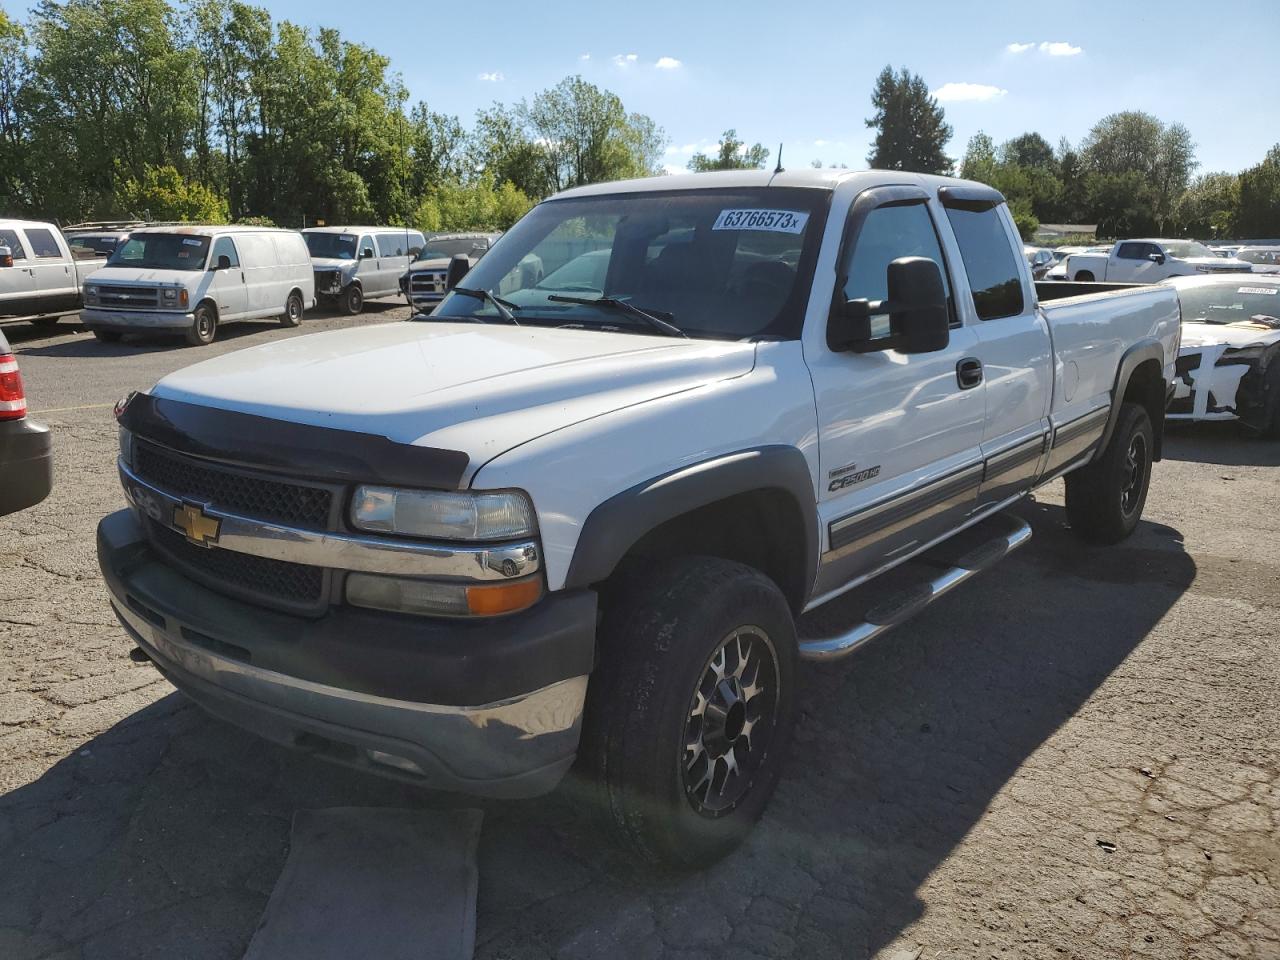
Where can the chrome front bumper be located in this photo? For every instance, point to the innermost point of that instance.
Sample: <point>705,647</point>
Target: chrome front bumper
<point>97,319</point>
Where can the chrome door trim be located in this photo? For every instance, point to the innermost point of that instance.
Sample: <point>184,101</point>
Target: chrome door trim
<point>861,524</point>
<point>341,551</point>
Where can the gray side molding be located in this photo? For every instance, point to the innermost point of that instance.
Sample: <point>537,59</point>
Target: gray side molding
<point>1143,350</point>
<point>618,523</point>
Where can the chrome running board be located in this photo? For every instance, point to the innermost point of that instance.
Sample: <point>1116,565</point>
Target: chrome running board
<point>906,604</point>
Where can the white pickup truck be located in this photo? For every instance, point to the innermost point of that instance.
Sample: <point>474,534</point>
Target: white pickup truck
<point>1150,261</point>
<point>40,278</point>
<point>563,522</point>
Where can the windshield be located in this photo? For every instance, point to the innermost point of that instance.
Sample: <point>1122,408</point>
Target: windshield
<point>165,251</point>
<point>1229,301</point>
<point>332,246</point>
<point>445,249</point>
<point>1260,256</point>
<point>1187,248</point>
<point>102,245</point>
<point>724,264</point>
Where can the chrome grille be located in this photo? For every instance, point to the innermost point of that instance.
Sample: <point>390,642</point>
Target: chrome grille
<point>146,297</point>
<point>427,285</point>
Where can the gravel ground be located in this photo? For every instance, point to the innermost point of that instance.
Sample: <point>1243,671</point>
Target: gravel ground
<point>1077,755</point>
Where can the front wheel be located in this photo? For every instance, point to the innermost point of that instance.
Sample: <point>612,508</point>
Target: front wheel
<point>203,326</point>
<point>690,711</point>
<point>108,336</point>
<point>292,315</point>
<point>1105,498</point>
<point>353,299</point>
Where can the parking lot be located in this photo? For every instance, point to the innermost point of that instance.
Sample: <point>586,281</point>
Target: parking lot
<point>1077,755</point>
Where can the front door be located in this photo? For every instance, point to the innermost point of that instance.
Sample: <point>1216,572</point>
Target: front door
<point>367,269</point>
<point>227,286</point>
<point>17,283</point>
<point>899,436</point>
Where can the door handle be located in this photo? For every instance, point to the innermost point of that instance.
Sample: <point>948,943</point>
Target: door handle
<point>969,373</point>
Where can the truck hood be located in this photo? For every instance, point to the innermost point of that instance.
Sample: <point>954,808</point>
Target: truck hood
<point>331,263</point>
<point>438,263</point>
<point>1241,333</point>
<point>480,389</point>
<point>144,275</point>
<point>1222,264</point>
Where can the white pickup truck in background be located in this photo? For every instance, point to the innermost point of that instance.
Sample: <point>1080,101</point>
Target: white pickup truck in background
<point>580,512</point>
<point>1150,261</point>
<point>40,278</point>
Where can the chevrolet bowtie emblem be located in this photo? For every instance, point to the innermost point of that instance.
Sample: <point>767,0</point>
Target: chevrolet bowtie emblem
<point>200,528</point>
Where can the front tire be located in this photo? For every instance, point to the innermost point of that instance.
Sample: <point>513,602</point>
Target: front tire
<point>108,336</point>
<point>690,711</point>
<point>353,300</point>
<point>1105,498</point>
<point>292,315</point>
<point>203,327</point>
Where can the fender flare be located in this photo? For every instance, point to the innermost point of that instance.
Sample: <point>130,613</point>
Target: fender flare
<point>1142,351</point>
<point>617,524</point>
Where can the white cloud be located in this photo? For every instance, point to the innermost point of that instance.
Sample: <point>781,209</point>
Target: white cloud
<point>495,77</point>
<point>585,56</point>
<point>624,59</point>
<point>1019,47</point>
<point>821,143</point>
<point>674,168</point>
<point>667,63</point>
<point>954,92</point>
<point>1059,48</point>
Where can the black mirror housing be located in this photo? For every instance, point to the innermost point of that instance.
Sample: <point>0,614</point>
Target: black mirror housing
<point>919,321</point>
<point>458,267</point>
<point>224,263</point>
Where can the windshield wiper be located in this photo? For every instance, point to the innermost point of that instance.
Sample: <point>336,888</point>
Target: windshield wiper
<point>498,303</point>
<point>670,329</point>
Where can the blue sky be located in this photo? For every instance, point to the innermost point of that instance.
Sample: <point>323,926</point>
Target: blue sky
<point>801,73</point>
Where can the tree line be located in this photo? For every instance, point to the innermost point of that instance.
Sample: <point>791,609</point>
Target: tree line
<point>1132,175</point>
<point>211,110</point>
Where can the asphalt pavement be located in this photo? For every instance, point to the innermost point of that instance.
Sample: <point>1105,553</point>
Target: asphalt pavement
<point>1076,755</point>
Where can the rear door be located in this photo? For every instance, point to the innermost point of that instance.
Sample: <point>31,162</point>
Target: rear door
<point>17,283</point>
<point>1014,350</point>
<point>50,265</point>
<point>900,437</point>
<point>228,287</point>
<point>393,260</point>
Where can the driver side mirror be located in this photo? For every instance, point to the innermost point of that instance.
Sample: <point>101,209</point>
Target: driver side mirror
<point>224,263</point>
<point>919,321</point>
<point>6,257</point>
<point>1156,257</point>
<point>366,253</point>
<point>458,267</point>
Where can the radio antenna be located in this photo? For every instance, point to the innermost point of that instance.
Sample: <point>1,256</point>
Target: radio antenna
<point>778,168</point>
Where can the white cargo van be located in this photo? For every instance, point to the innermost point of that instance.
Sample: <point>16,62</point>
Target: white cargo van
<point>190,279</point>
<point>353,264</point>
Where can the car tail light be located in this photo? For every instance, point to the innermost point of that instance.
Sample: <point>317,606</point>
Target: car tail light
<point>13,401</point>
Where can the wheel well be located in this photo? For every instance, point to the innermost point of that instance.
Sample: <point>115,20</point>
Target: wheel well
<point>208,302</point>
<point>1084,276</point>
<point>298,291</point>
<point>1146,388</point>
<point>763,529</point>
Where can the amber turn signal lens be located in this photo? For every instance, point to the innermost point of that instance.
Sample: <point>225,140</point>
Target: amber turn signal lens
<point>490,599</point>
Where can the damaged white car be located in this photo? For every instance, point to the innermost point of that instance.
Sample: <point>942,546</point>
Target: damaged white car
<point>1229,363</point>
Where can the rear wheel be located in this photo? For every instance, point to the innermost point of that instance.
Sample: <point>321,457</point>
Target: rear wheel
<point>292,315</point>
<point>202,327</point>
<point>108,336</point>
<point>353,299</point>
<point>1084,276</point>
<point>690,711</point>
<point>1105,498</point>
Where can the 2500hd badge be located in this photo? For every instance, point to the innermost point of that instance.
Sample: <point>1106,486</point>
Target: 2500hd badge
<point>572,521</point>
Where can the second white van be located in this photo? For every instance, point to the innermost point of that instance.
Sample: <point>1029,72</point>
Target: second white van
<point>191,279</point>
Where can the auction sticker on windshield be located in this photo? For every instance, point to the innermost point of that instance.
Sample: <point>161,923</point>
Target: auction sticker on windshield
<point>1262,291</point>
<point>774,221</point>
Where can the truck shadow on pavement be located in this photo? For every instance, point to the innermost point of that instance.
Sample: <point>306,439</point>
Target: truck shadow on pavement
<point>165,834</point>
<point>1227,444</point>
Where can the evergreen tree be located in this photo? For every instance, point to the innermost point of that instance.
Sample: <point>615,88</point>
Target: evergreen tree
<point>911,129</point>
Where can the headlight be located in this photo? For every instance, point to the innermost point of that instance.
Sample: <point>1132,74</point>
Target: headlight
<point>170,294</point>
<point>443,515</point>
<point>91,293</point>
<point>1204,268</point>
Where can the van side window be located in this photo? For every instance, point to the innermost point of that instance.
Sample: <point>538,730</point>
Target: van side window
<point>391,244</point>
<point>890,232</point>
<point>995,276</point>
<point>9,238</point>
<point>42,243</point>
<point>223,247</point>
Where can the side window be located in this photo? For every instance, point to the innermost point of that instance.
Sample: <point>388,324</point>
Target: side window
<point>43,245</point>
<point>366,243</point>
<point>995,276</point>
<point>9,238</point>
<point>890,232</point>
<point>1130,251</point>
<point>223,247</point>
<point>391,244</point>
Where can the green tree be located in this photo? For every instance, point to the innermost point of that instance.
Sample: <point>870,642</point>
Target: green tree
<point>1210,206</point>
<point>1132,142</point>
<point>979,162</point>
<point>163,194</point>
<point>911,129</point>
<point>1259,211</point>
<point>1029,150</point>
<point>732,154</point>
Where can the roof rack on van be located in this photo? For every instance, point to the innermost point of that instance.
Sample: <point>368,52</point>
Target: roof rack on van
<point>122,224</point>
